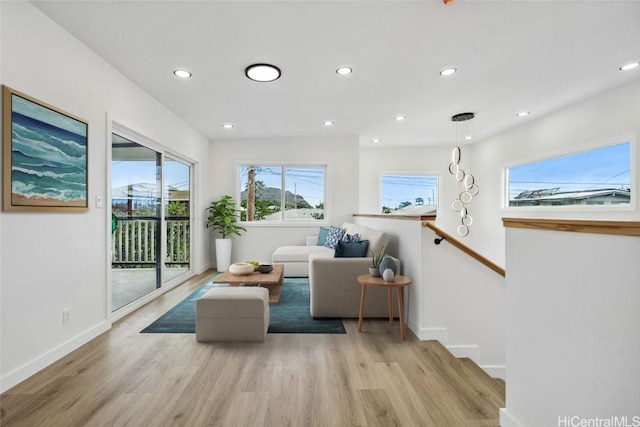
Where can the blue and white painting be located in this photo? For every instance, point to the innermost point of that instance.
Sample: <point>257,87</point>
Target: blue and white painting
<point>48,157</point>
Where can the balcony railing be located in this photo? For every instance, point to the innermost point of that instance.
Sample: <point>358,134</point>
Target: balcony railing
<point>135,242</point>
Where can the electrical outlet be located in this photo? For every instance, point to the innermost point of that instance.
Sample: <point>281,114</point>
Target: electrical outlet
<point>66,316</point>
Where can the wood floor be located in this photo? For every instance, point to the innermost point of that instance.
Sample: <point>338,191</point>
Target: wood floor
<point>124,378</point>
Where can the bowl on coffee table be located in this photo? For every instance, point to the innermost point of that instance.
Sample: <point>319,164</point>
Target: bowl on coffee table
<point>241,268</point>
<point>265,268</point>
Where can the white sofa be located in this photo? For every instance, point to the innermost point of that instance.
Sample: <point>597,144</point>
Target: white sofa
<point>296,258</point>
<point>333,282</point>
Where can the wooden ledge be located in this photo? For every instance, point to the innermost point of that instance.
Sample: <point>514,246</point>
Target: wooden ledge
<point>391,216</point>
<point>620,228</point>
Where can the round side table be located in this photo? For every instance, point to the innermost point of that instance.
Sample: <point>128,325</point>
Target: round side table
<point>398,283</point>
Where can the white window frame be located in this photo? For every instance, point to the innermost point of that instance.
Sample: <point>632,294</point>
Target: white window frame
<point>284,165</point>
<point>437,174</point>
<point>633,164</point>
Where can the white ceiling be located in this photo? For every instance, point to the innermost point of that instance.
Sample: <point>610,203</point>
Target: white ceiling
<point>537,56</point>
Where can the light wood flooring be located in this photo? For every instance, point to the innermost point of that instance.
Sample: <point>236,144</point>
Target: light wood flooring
<point>124,378</point>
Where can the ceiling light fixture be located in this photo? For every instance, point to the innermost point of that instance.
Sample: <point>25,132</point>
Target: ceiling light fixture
<point>376,141</point>
<point>343,71</point>
<point>448,71</point>
<point>401,118</point>
<point>522,113</point>
<point>183,74</point>
<point>227,126</point>
<point>327,123</point>
<point>630,66</point>
<point>262,72</point>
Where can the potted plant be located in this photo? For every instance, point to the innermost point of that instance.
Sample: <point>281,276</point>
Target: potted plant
<point>223,218</point>
<point>376,259</point>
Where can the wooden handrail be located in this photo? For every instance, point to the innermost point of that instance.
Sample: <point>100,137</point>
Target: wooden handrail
<point>464,248</point>
<point>619,228</point>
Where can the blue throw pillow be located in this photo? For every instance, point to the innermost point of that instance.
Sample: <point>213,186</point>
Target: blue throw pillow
<point>351,249</point>
<point>334,236</point>
<point>322,236</point>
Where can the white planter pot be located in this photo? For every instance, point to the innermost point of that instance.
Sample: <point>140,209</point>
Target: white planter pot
<point>223,254</point>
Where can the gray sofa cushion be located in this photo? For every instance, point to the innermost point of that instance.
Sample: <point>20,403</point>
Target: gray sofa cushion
<point>335,291</point>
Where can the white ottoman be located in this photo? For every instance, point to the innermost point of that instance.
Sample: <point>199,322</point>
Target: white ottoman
<point>233,314</point>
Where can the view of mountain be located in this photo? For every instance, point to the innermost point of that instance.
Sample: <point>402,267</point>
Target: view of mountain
<point>271,193</point>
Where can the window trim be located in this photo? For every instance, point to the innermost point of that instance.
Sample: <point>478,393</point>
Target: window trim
<point>437,174</point>
<point>286,164</point>
<point>631,138</point>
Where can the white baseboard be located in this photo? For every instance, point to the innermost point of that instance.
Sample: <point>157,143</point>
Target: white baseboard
<point>507,420</point>
<point>438,334</point>
<point>469,351</point>
<point>496,371</point>
<point>34,366</point>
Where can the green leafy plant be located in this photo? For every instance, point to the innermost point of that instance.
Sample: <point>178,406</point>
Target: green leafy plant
<point>376,257</point>
<point>223,217</point>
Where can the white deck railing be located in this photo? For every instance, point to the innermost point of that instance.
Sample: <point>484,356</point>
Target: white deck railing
<point>135,242</point>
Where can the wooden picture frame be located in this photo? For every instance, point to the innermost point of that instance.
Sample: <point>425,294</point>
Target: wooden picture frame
<point>45,156</point>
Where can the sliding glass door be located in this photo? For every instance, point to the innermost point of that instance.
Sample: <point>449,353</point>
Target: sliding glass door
<point>150,204</point>
<point>177,205</point>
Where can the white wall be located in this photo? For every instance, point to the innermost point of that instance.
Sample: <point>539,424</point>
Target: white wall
<point>53,261</point>
<point>573,327</point>
<point>260,240</point>
<point>608,115</point>
<point>463,305</point>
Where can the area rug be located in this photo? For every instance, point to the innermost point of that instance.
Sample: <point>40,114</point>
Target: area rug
<point>290,316</point>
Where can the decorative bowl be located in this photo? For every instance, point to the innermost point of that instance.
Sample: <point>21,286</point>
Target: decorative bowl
<point>265,268</point>
<point>241,268</point>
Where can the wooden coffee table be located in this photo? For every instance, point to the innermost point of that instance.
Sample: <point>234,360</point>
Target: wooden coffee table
<point>271,281</point>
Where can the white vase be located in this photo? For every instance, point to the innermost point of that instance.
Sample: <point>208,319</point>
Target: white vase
<point>223,254</point>
<point>388,275</point>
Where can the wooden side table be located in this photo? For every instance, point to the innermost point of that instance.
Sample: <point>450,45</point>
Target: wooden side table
<point>398,283</point>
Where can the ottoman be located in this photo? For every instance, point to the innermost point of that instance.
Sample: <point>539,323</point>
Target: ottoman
<point>233,314</point>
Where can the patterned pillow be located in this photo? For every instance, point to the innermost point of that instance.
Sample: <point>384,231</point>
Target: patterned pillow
<point>334,236</point>
<point>351,238</point>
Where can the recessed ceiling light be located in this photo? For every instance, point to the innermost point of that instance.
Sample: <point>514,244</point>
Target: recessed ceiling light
<point>522,113</point>
<point>448,71</point>
<point>343,71</point>
<point>262,72</point>
<point>401,118</point>
<point>468,137</point>
<point>227,126</point>
<point>327,123</point>
<point>376,141</point>
<point>630,66</point>
<point>183,74</point>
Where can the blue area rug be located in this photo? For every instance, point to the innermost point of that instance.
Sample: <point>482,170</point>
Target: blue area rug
<point>290,316</point>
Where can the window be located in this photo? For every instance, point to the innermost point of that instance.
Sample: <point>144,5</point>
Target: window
<point>595,177</point>
<point>262,197</point>
<point>408,193</point>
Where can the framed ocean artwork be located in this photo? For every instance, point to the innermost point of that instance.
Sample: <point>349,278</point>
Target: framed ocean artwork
<point>44,156</point>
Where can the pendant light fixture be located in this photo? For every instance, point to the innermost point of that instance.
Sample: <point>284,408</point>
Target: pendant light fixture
<point>462,130</point>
